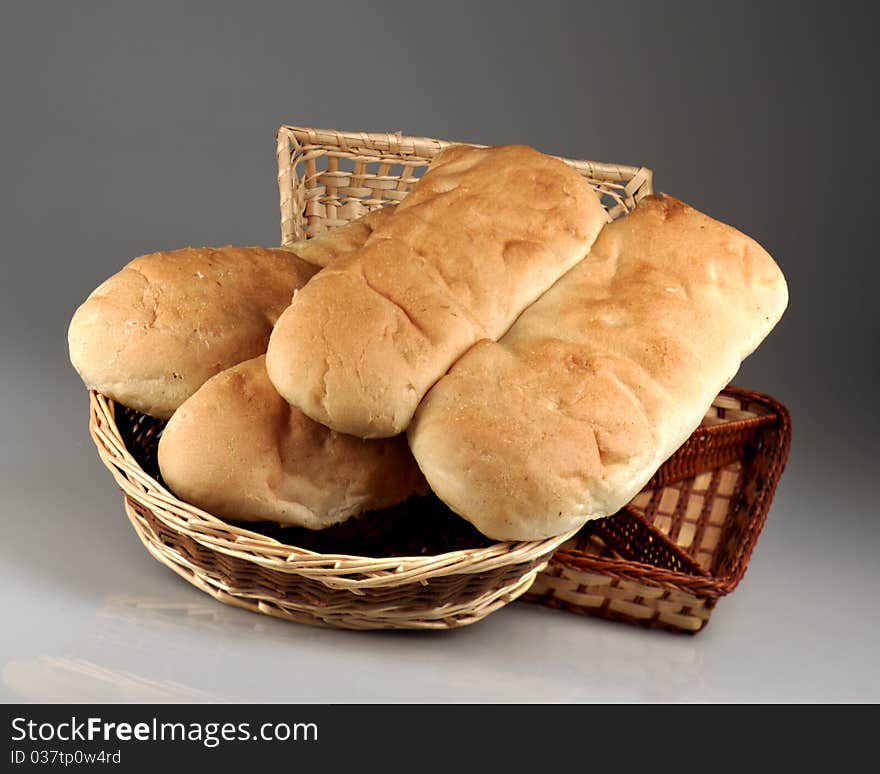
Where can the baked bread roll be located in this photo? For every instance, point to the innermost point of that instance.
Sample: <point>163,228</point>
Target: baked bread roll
<point>240,451</point>
<point>569,415</point>
<point>150,335</point>
<point>480,236</point>
<point>153,333</point>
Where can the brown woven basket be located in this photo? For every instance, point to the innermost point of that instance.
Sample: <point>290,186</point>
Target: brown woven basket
<point>666,558</point>
<point>327,178</point>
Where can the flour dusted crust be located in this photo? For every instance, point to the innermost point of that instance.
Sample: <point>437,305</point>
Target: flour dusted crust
<point>240,451</point>
<point>569,415</point>
<point>482,235</point>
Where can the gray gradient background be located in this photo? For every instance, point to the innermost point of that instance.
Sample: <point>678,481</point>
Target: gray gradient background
<point>131,127</point>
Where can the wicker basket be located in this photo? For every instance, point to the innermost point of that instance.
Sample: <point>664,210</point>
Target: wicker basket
<point>327,178</point>
<point>251,569</point>
<point>685,540</point>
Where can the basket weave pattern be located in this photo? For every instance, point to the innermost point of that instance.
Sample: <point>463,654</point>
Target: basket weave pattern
<point>685,540</point>
<point>327,178</point>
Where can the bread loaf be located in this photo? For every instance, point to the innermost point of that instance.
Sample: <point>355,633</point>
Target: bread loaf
<point>240,451</point>
<point>150,335</point>
<point>479,238</point>
<point>569,415</point>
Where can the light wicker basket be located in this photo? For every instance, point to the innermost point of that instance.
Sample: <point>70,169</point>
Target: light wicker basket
<point>327,178</point>
<point>685,541</point>
<point>251,569</point>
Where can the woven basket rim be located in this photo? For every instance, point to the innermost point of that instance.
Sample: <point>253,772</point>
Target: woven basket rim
<point>295,144</point>
<point>764,500</point>
<point>397,143</point>
<point>204,527</point>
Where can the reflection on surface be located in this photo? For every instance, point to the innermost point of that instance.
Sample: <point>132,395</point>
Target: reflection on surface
<point>186,646</point>
<point>134,635</point>
<point>639,665</point>
<point>130,632</point>
<point>536,654</point>
<point>522,653</point>
<point>60,679</point>
<point>135,621</point>
<point>206,614</point>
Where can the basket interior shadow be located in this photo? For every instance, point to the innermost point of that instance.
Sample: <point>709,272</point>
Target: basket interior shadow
<point>421,526</point>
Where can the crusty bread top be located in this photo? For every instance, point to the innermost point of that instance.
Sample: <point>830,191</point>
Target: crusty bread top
<point>151,334</point>
<point>479,238</point>
<point>332,243</point>
<point>569,415</point>
<point>239,451</point>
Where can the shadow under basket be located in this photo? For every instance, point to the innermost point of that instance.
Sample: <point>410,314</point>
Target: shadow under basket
<point>685,541</point>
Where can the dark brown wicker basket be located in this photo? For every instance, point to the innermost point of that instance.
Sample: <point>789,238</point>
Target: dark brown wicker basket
<point>685,541</point>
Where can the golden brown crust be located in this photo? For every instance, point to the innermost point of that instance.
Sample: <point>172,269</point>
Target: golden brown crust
<point>479,237</point>
<point>153,333</point>
<point>238,450</point>
<point>596,384</point>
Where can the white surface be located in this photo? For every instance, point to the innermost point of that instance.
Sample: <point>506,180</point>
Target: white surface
<point>90,616</point>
